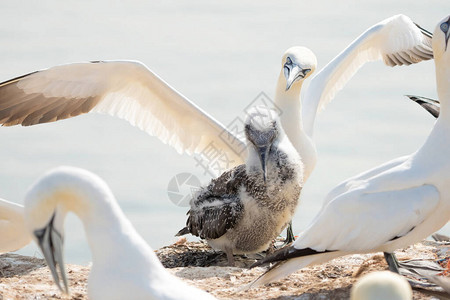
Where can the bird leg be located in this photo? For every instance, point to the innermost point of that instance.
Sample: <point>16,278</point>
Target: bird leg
<point>392,262</point>
<point>289,235</point>
<point>230,257</point>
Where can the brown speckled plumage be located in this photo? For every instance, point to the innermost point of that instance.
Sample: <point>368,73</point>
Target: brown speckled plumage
<point>218,210</point>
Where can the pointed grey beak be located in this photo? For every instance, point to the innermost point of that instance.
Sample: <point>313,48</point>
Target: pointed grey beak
<point>295,74</point>
<point>51,243</point>
<point>263,152</point>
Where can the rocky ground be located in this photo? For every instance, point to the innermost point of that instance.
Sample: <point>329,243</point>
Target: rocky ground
<point>29,278</point>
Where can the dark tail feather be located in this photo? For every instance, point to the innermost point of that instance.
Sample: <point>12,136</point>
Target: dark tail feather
<point>285,254</point>
<point>424,31</point>
<point>289,260</point>
<point>183,231</point>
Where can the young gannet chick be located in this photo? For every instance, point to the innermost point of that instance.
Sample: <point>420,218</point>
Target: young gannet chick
<point>246,208</point>
<point>389,207</point>
<point>13,232</point>
<point>381,285</point>
<point>123,265</point>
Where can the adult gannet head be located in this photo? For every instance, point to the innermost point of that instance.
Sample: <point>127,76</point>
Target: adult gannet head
<point>46,205</point>
<point>262,128</point>
<point>298,63</point>
<point>381,285</point>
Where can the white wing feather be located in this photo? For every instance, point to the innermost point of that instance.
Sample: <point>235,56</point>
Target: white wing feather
<point>124,89</point>
<point>396,40</point>
<point>359,220</point>
<point>350,183</point>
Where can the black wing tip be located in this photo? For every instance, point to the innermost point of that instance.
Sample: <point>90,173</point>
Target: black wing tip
<point>424,31</point>
<point>412,97</point>
<point>422,99</point>
<point>430,105</point>
<point>15,79</point>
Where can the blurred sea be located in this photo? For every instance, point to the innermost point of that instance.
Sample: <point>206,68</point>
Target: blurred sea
<point>220,55</point>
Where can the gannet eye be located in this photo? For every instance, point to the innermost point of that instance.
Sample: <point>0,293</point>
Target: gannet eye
<point>288,61</point>
<point>444,27</point>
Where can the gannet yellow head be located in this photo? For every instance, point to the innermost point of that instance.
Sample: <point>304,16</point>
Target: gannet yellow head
<point>298,63</point>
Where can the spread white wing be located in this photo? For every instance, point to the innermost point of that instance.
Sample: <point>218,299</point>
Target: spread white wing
<point>396,40</point>
<point>125,89</point>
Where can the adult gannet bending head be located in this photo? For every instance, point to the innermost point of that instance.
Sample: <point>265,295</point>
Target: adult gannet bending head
<point>388,207</point>
<point>13,233</point>
<point>131,91</point>
<point>246,208</point>
<point>123,265</point>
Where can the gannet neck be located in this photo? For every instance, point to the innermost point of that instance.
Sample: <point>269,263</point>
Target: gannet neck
<point>289,98</point>
<point>291,121</point>
<point>443,85</point>
<point>112,237</point>
<point>441,52</point>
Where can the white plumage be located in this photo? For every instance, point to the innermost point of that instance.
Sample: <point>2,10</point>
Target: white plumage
<point>123,265</point>
<point>13,233</point>
<point>388,207</point>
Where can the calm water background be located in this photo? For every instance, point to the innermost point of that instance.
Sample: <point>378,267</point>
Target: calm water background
<point>221,55</point>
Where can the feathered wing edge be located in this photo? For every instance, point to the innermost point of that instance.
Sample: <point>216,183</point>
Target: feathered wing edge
<point>430,105</point>
<point>125,89</point>
<point>411,46</point>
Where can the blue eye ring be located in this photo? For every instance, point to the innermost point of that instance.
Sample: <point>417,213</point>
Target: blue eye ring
<point>444,27</point>
<point>288,60</point>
